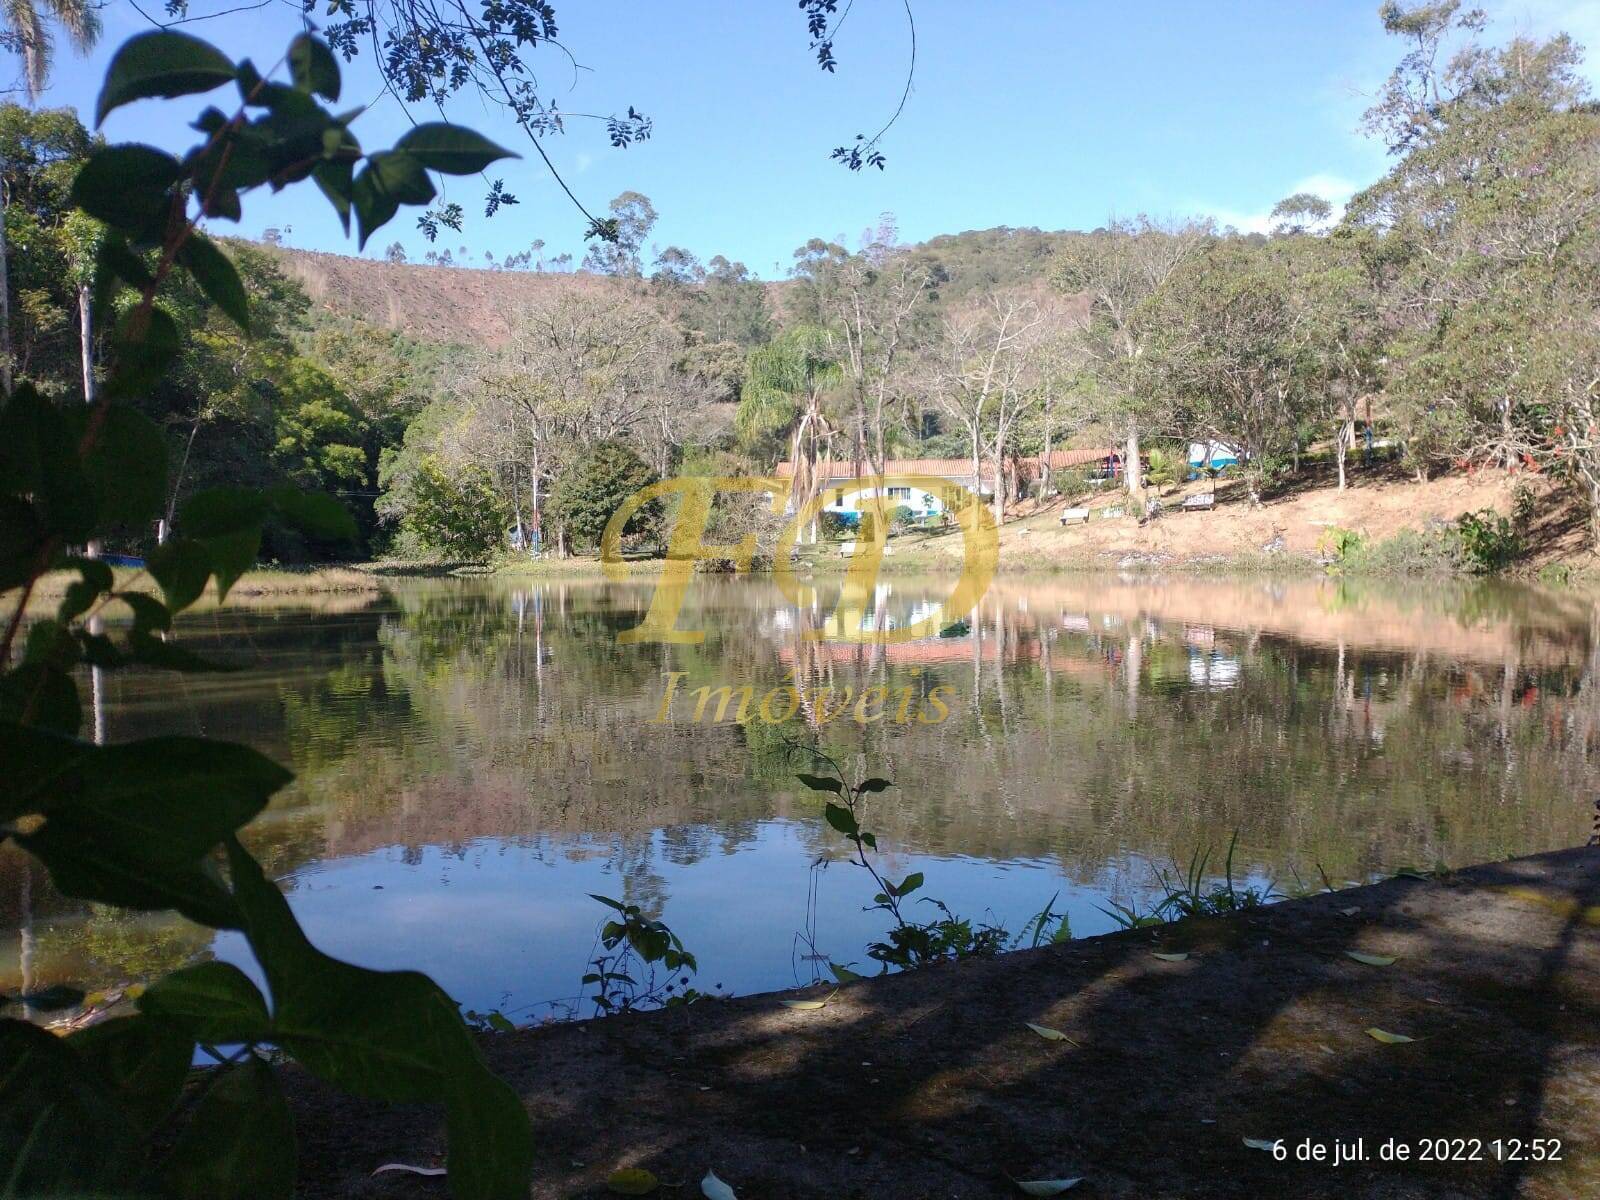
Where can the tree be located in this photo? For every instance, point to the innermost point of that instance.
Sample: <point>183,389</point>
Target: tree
<point>396,253</point>
<point>978,377</point>
<point>1300,213</point>
<point>1118,269</point>
<point>785,403</point>
<point>1483,235</point>
<point>627,229</point>
<point>42,252</point>
<point>595,486</point>
<point>1232,343</point>
<point>455,511</point>
<point>26,33</point>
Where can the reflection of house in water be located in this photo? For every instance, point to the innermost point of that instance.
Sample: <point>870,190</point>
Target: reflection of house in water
<point>1213,671</point>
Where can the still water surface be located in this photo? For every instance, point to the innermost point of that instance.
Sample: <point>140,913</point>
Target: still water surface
<point>475,758</point>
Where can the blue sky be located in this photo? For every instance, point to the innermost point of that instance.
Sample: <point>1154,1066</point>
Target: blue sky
<point>1053,114</point>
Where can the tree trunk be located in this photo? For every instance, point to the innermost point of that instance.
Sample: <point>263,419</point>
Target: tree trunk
<point>1044,458</point>
<point>5,299</point>
<point>977,466</point>
<point>999,501</point>
<point>86,351</point>
<point>1132,471</point>
<point>1341,446</point>
<point>86,340</point>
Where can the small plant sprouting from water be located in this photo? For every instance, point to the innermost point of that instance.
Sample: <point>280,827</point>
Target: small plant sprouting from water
<point>1185,894</point>
<point>644,964</point>
<point>912,943</point>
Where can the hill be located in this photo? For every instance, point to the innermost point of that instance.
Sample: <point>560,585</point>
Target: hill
<point>458,305</point>
<point>473,306</point>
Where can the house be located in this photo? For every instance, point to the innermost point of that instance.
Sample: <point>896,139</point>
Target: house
<point>1213,454</point>
<point>845,494</point>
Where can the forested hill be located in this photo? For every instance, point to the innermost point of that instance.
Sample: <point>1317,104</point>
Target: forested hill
<point>477,307</point>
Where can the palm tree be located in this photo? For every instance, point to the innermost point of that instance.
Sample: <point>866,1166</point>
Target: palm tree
<point>25,31</point>
<point>27,34</point>
<point>786,385</point>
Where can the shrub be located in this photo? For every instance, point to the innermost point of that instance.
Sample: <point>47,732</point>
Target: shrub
<point>1073,482</point>
<point>1489,542</point>
<point>595,486</point>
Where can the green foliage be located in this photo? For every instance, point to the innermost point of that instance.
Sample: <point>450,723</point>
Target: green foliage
<point>154,824</point>
<point>910,944</point>
<point>1341,546</point>
<point>595,486</point>
<point>1489,541</point>
<point>456,513</point>
<point>625,976</point>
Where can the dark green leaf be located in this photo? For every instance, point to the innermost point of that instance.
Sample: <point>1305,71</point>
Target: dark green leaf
<point>215,273</point>
<point>127,186</point>
<point>389,1035</point>
<point>212,1002</point>
<point>144,347</point>
<point>146,816</point>
<point>119,262</point>
<point>41,694</point>
<point>909,884</point>
<point>227,522</point>
<point>874,785</point>
<point>316,513</point>
<point>313,67</point>
<point>821,783</point>
<point>161,63</point>
<point>240,1143</point>
<point>148,612</point>
<point>39,455</point>
<point>62,1131</point>
<point>840,818</point>
<point>143,1061</point>
<point>390,178</point>
<point>181,567</point>
<point>451,149</point>
<point>22,541</point>
<point>53,998</point>
<point>40,768</point>
<point>336,179</point>
<point>127,468</point>
<point>94,580</point>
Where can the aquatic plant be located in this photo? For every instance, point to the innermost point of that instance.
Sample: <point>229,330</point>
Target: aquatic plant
<point>638,945</point>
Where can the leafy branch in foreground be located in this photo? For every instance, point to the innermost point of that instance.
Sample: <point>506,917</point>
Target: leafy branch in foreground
<point>154,824</point>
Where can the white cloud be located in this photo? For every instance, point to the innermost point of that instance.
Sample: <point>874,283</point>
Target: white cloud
<point>1335,189</point>
<point>585,161</point>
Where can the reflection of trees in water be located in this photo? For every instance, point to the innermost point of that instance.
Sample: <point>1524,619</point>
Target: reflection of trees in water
<point>1095,723</point>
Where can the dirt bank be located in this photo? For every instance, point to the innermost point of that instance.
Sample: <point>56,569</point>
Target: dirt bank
<point>932,1085</point>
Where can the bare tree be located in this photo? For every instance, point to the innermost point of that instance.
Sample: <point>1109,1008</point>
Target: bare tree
<point>977,376</point>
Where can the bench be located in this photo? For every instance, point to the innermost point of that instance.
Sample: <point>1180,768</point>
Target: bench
<point>1074,516</point>
<point>1200,501</point>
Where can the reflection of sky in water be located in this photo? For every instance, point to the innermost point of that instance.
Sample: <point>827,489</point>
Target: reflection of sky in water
<point>475,758</point>
<point>503,925</point>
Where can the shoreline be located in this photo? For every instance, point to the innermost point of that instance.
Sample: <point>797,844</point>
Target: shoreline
<point>932,1084</point>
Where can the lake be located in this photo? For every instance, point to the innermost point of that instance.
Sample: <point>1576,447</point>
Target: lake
<point>474,758</point>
